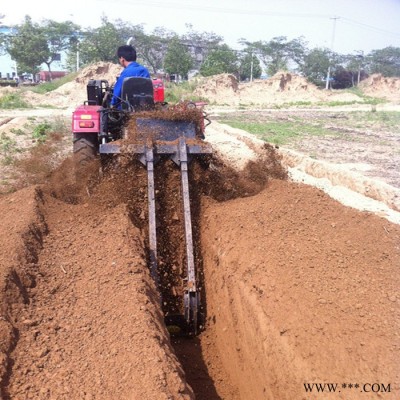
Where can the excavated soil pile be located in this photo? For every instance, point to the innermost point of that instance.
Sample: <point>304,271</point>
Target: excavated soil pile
<point>283,87</point>
<point>379,86</point>
<point>301,289</point>
<point>80,311</point>
<point>164,124</point>
<point>74,92</point>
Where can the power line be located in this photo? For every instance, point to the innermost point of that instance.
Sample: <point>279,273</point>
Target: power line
<point>186,6</point>
<point>182,6</point>
<point>351,21</point>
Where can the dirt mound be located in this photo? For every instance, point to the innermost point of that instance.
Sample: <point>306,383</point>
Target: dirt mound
<point>379,86</point>
<point>74,93</point>
<point>100,70</point>
<point>83,313</point>
<point>284,81</point>
<point>221,88</point>
<point>302,278</point>
<point>283,87</point>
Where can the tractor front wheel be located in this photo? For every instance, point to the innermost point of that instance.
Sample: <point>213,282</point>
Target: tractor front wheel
<point>86,148</point>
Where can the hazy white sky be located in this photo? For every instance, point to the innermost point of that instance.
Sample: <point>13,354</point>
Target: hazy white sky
<point>362,24</point>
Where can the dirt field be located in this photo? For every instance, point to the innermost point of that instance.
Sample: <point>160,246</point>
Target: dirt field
<point>363,141</point>
<point>297,289</point>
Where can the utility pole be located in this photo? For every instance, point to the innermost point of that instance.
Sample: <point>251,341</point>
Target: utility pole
<point>360,57</point>
<point>332,42</point>
<point>251,67</point>
<point>77,56</point>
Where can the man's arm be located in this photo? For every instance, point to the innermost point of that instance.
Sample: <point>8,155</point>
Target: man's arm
<point>117,90</point>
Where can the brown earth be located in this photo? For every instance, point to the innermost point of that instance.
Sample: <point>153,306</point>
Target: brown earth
<point>297,289</point>
<point>81,316</point>
<point>380,86</point>
<point>283,87</point>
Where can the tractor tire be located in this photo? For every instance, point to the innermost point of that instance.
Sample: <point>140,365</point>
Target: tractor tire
<point>85,148</point>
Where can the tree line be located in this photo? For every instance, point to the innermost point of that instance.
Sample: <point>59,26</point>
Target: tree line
<point>32,44</point>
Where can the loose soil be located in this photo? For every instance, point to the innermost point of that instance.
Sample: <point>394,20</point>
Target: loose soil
<point>82,319</point>
<point>296,288</point>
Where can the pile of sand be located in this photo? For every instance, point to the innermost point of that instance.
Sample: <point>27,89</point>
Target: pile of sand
<point>220,89</point>
<point>74,93</point>
<point>379,86</point>
<point>283,87</point>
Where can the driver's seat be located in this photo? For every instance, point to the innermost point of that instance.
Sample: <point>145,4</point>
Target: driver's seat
<point>137,94</point>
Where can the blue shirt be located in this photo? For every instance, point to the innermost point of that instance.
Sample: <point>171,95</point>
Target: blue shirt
<point>133,69</point>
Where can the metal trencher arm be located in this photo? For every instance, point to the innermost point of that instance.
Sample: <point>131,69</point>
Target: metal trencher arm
<point>177,139</point>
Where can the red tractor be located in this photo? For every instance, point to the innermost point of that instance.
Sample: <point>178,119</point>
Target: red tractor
<point>96,122</point>
<point>174,133</point>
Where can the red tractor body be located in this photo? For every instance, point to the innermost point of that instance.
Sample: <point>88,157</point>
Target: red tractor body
<point>86,119</point>
<point>158,87</point>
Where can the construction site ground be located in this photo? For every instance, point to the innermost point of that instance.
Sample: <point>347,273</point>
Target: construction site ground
<point>298,288</point>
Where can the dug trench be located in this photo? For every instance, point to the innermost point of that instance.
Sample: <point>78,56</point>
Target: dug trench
<point>296,288</point>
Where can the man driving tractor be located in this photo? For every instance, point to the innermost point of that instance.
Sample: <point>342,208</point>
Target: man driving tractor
<point>127,58</point>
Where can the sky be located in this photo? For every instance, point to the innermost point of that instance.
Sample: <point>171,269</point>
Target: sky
<point>346,26</point>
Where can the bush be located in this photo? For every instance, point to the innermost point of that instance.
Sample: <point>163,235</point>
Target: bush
<point>174,93</point>
<point>40,131</point>
<point>13,100</point>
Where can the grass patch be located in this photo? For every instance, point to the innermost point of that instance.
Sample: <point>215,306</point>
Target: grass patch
<point>8,148</point>
<point>48,106</point>
<point>7,144</point>
<point>40,131</point>
<point>37,162</point>
<point>53,85</point>
<point>174,93</point>
<point>366,99</point>
<point>56,128</point>
<point>17,131</point>
<point>278,132</point>
<point>387,119</point>
<point>13,100</point>
<point>294,104</point>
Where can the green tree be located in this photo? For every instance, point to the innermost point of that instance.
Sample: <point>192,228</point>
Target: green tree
<point>220,60</point>
<point>178,59</point>
<point>250,66</point>
<point>33,44</point>
<point>316,64</point>
<point>200,44</point>
<point>28,47</point>
<point>278,53</point>
<point>384,61</point>
<point>153,47</point>
<point>100,44</point>
<point>58,36</point>
<point>2,36</point>
<point>354,64</point>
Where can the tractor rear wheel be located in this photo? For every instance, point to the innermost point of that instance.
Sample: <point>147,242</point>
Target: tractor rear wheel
<point>86,148</point>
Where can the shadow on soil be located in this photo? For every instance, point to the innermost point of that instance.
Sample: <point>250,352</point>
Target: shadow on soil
<point>189,353</point>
